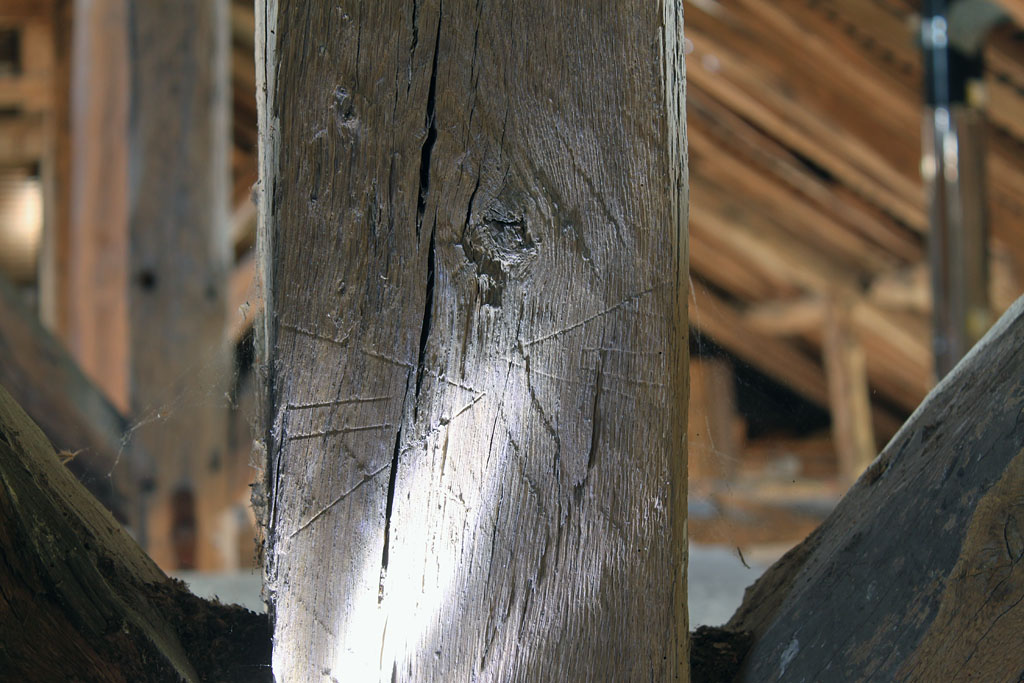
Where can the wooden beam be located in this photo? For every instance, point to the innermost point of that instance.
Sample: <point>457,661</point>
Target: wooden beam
<point>82,600</point>
<point>76,416</point>
<point>917,574</point>
<point>787,318</point>
<point>180,253</point>
<point>475,332</point>
<point>84,278</point>
<point>849,394</point>
<point>772,356</point>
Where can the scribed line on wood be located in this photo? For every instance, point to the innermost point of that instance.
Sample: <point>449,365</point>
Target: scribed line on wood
<point>369,477</point>
<point>628,300</point>
<point>340,430</point>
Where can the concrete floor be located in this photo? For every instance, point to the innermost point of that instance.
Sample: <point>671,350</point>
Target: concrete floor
<point>717,579</point>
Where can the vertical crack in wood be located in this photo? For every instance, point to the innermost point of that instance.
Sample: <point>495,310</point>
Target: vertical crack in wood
<point>387,515</point>
<point>428,310</point>
<point>430,120</point>
<point>595,419</point>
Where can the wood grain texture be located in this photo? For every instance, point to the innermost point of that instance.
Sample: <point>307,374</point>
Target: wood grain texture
<point>918,574</point>
<point>473,243</point>
<point>179,258</point>
<point>79,600</point>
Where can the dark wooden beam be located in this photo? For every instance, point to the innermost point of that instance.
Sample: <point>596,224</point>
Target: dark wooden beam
<point>918,573</point>
<point>76,416</point>
<point>80,598</point>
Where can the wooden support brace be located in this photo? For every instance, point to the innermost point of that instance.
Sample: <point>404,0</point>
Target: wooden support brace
<point>72,411</point>
<point>918,574</point>
<point>849,399</point>
<point>79,600</point>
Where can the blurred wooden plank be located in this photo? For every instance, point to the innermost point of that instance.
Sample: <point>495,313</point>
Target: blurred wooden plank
<point>180,254</point>
<point>18,11</point>
<point>849,399</point>
<point>84,281</point>
<point>22,140</point>
<point>774,83</point>
<point>787,317</point>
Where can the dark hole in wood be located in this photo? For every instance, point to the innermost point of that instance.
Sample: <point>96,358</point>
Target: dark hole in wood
<point>10,52</point>
<point>183,528</point>
<point>147,280</point>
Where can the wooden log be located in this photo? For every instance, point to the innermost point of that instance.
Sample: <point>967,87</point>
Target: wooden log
<point>474,344</point>
<point>918,574</point>
<point>74,413</point>
<point>81,601</point>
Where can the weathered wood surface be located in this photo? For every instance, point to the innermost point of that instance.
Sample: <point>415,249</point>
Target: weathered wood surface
<point>918,575</point>
<point>79,600</point>
<point>473,238</point>
<point>180,253</point>
<point>75,414</point>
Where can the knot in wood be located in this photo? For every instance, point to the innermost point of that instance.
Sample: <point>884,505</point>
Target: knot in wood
<point>500,245</point>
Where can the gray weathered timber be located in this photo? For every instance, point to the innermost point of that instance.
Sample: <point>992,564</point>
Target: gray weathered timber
<point>473,251</point>
<point>179,259</point>
<point>918,575</point>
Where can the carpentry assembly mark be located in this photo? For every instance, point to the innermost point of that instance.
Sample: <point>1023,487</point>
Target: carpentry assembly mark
<point>600,314</point>
<point>337,402</point>
<point>343,496</point>
<point>314,335</point>
<point>341,430</point>
<point>476,399</point>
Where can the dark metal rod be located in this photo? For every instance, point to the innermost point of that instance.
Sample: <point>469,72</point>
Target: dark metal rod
<point>953,168</point>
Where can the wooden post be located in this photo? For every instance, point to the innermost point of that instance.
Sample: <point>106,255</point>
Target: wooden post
<point>712,424</point>
<point>84,278</point>
<point>849,401</point>
<point>180,255</point>
<point>474,346</point>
